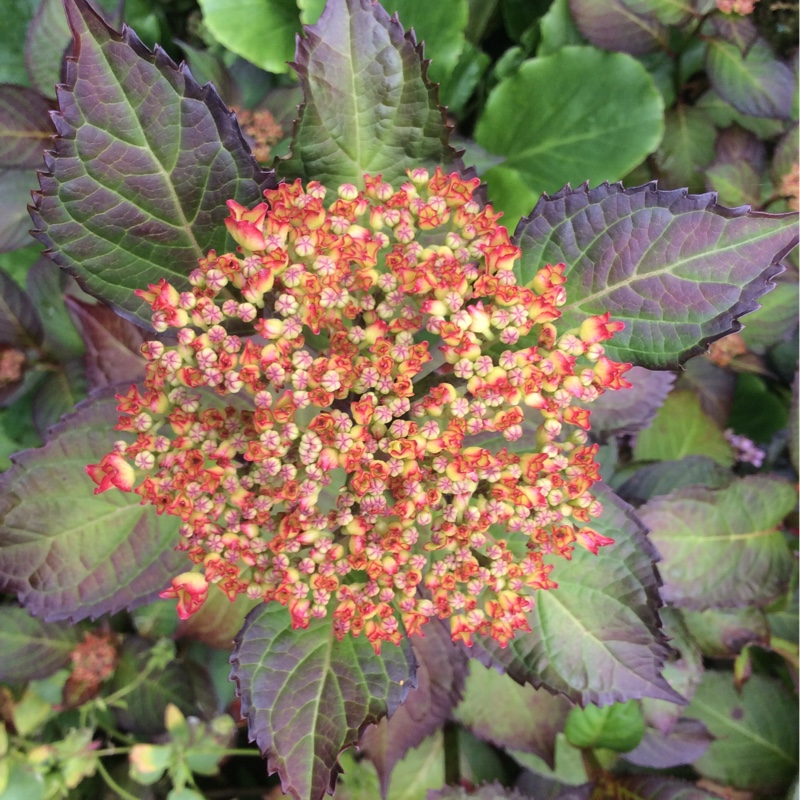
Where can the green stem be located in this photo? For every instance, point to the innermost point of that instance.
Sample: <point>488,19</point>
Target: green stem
<point>113,785</point>
<point>452,755</point>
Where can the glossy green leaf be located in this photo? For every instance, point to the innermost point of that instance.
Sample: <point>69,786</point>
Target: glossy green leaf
<point>720,548</point>
<point>440,28</point>
<point>70,554</point>
<point>676,268</point>
<point>307,696</point>
<point>757,83</point>
<point>143,165</point>
<point>755,729</point>
<point>596,638</point>
<point>581,114</point>
<point>262,31</point>
<point>14,21</point>
<point>680,429</point>
<point>30,648</point>
<point>619,726</point>
<point>509,715</point>
<point>348,121</point>
<point>557,29</point>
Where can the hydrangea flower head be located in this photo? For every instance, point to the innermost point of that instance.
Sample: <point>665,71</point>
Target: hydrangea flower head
<point>336,424</point>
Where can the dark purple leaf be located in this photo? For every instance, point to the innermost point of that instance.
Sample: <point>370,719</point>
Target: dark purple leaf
<point>735,144</point>
<point>724,634</point>
<point>20,325</point>
<point>25,126</point>
<point>491,791</point>
<point>69,554</point>
<point>612,25</point>
<point>661,787</point>
<point>32,649</point>
<point>676,268</point>
<point>112,344</point>
<point>442,667</point>
<point>757,83</point>
<point>142,167</point>
<point>688,740</point>
<point>595,639</point>
<point>738,31</point>
<point>307,697</point>
<point>629,411</point>
<point>508,715</point>
<point>368,106</point>
<point>16,186</point>
<point>720,548</point>
<point>665,477</point>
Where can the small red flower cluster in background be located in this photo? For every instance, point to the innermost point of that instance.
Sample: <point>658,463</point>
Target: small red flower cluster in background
<point>350,455</point>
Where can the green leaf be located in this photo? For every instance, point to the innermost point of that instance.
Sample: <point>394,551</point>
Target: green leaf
<point>262,31</point>
<point>736,184</point>
<point>776,320</point>
<point>596,638</point>
<point>681,428</point>
<point>724,114</point>
<point>664,477</point>
<point>753,392</point>
<point>757,83</point>
<point>307,696</point>
<point>725,633</point>
<point>348,123</point>
<point>676,268</point>
<point>440,28</point>
<point>45,42</point>
<point>30,648</point>
<point>557,29</point>
<point>14,21</point>
<point>145,704</point>
<point>143,165</point>
<point>720,548</point>
<point>755,729</point>
<point>499,710</point>
<point>15,194</point>
<point>619,726</point>
<point>66,552</point>
<point>609,118</point>
<point>687,148</point>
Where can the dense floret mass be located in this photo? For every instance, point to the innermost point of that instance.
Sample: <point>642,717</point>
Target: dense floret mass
<point>365,416</point>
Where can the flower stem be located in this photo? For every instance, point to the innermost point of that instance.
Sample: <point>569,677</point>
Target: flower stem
<point>113,785</point>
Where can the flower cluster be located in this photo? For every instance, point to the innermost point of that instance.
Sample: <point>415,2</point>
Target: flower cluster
<point>340,426</point>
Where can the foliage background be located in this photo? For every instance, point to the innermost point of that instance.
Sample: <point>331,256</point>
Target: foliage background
<point>539,94</point>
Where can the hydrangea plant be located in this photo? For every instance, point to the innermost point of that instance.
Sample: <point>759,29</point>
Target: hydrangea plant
<point>366,412</point>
